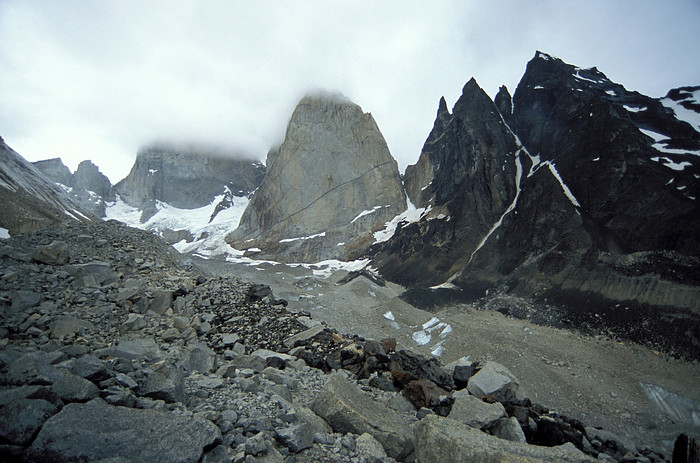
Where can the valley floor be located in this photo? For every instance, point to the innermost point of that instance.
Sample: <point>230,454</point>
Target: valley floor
<point>628,389</point>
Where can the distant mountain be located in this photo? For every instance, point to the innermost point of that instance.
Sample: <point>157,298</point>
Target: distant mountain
<point>28,201</point>
<point>186,177</point>
<point>576,191</point>
<point>329,186</point>
<point>87,186</point>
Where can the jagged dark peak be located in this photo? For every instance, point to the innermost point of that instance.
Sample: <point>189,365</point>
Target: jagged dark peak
<point>88,177</point>
<point>442,108</point>
<point>474,101</point>
<point>504,102</point>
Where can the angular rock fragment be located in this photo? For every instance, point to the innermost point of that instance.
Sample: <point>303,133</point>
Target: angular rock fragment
<point>346,409</point>
<point>493,381</point>
<point>475,412</point>
<point>445,440</point>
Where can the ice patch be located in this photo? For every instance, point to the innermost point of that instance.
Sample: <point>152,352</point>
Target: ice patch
<point>447,330</point>
<point>438,349</point>
<point>421,337</point>
<point>431,322</point>
<point>327,268</point>
<point>4,233</point>
<point>677,407</point>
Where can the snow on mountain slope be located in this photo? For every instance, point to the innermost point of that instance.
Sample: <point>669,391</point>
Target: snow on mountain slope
<point>685,103</point>
<point>208,237</point>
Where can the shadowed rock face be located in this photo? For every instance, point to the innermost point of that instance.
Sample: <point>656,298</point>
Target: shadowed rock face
<point>584,195</point>
<point>332,175</point>
<point>186,177</point>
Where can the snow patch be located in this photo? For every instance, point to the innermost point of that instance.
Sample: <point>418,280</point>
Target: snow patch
<point>682,113</point>
<point>302,238</point>
<point>4,233</point>
<point>518,176</point>
<point>364,213</point>
<point>671,164</point>
<point>596,159</point>
<point>567,192</point>
<point>209,237</point>
<point>661,140</point>
<point>611,93</point>
<point>632,109</point>
<point>389,316</point>
<point>410,215</point>
<point>538,87</point>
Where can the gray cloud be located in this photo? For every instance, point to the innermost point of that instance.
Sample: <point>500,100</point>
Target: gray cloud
<point>97,80</point>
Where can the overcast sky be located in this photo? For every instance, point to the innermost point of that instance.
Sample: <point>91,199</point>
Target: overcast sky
<point>98,79</point>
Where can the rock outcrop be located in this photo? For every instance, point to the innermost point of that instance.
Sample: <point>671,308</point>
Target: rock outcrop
<point>328,187</point>
<point>28,201</point>
<point>578,192</point>
<point>187,177</point>
<point>55,170</point>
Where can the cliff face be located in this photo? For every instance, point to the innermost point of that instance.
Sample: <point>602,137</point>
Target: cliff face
<point>186,177</point>
<point>327,188</point>
<point>28,200</point>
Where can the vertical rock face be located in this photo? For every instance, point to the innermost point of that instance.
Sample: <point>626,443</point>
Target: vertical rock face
<point>328,187</point>
<point>187,177</point>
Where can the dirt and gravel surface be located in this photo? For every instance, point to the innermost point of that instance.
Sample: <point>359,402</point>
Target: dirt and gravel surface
<point>596,379</point>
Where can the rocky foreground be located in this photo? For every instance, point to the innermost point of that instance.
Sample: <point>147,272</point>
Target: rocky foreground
<point>113,347</point>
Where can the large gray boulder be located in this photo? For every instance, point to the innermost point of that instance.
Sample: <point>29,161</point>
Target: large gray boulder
<point>97,430</point>
<point>329,186</point>
<point>346,409</point>
<point>448,441</point>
